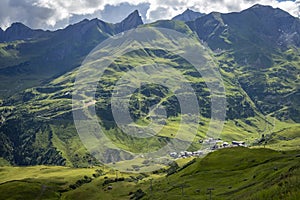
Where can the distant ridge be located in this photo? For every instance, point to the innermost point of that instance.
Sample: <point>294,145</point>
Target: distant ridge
<point>19,31</point>
<point>188,15</point>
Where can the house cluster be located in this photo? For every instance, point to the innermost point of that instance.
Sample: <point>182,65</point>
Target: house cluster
<point>186,154</point>
<point>212,144</point>
<point>220,144</point>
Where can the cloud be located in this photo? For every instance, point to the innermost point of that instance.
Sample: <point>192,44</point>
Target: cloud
<point>53,14</point>
<point>19,10</point>
<point>116,13</point>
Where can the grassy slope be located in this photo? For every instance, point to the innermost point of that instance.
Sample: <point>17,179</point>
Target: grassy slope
<point>234,173</point>
<point>237,173</point>
<point>52,103</point>
<point>249,116</point>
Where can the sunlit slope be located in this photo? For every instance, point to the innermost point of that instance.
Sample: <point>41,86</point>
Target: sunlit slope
<point>260,73</point>
<point>46,112</point>
<point>236,173</point>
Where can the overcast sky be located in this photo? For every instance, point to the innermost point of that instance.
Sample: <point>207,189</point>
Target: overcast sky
<point>53,14</point>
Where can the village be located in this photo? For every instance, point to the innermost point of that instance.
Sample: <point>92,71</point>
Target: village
<point>210,145</point>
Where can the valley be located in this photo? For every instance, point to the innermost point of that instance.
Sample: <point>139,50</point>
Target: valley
<point>255,51</point>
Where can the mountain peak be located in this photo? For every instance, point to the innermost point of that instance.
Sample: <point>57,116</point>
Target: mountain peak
<point>188,15</point>
<point>266,10</point>
<point>133,20</point>
<point>96,28</point>
<point>18,26</point>
<point>133,17</point>
<point>255,6</point>
<point>19,31</point>
<point>135,12</point>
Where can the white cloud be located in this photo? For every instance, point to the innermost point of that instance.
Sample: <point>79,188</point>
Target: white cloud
<point>57,13</point>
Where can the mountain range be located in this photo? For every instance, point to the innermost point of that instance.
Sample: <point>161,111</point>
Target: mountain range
<point>257,52</point>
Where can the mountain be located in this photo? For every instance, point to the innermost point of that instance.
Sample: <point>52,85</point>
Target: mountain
<point>251,26</point>
<point>264,43</point>
<point>18,31</point>
<point>25,62</point>
<point>256,51</point>
<point>132,21</point>
<point>188,15</point>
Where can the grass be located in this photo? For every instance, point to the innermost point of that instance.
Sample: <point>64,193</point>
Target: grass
<point>52,182</point>
<point>38,182</point>
<point>50,106</point>
<point>234,173</point>
<point>4,162</point>
<point>250,113</point>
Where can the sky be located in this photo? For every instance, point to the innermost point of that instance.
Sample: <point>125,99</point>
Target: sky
<point>54,14</point>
